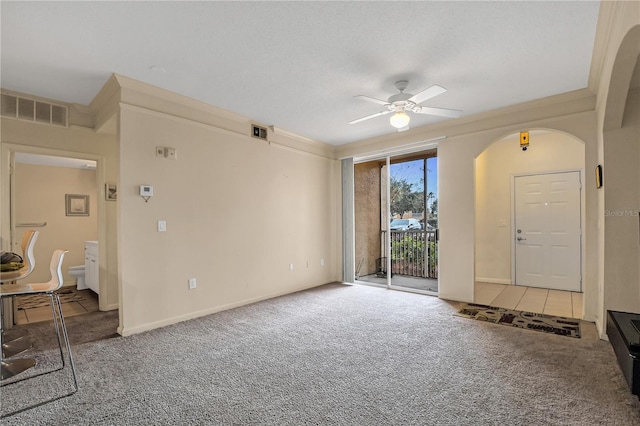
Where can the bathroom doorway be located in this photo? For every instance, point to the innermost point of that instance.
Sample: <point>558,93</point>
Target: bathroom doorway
<point>57,196</point>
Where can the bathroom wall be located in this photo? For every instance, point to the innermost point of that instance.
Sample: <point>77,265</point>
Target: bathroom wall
<point>40,197</point>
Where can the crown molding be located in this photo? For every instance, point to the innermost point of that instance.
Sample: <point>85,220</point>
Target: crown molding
<point>141,94</point>
<point>293,140</point>
<point>145,96</point>
<point>604,28</point>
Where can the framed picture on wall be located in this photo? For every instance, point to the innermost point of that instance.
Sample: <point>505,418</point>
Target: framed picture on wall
<point>111,191</point>
<point>77,205</point>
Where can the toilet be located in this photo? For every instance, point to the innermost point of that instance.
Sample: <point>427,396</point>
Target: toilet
<point>78,273</point>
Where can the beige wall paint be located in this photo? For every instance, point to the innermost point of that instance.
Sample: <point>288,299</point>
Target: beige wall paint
<point>75,142</point>
<point>239,211</point>
<point>465,139</point>
<point>622,203</point>
<point>457,205</point>
<point>40,197</point>
<point>615,54</point>
<point>495,169</point>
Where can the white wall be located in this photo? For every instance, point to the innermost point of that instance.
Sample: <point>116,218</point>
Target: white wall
<point>466,138</point>
<point>495,168</point>
<point>239,211</point>
<point>622,203</point>
<point>615,55</point>
<point>40,197</point>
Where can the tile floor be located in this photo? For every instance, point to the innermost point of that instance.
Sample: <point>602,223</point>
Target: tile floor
<point>530,299</point>
<point>69,309</point>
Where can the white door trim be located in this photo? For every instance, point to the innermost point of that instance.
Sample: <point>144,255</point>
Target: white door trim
<point>7,153</point>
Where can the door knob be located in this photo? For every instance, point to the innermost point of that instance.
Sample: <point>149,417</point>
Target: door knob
<point>521,239</point>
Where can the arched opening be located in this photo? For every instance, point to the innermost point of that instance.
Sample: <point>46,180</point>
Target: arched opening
<point>621,160</point>
<point>503,172</point>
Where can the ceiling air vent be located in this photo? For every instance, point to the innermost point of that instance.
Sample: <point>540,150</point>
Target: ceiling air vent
<point>259,132</point>
<point>32,110</point>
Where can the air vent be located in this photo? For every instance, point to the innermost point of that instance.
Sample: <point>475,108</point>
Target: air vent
<point>259,132</point>
<point>32,110</point>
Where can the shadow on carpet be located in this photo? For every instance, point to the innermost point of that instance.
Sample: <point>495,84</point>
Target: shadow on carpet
<point>561,326</point>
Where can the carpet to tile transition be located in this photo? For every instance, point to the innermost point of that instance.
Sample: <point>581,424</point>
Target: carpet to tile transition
<point>538,322</point>
<point>38,301</point>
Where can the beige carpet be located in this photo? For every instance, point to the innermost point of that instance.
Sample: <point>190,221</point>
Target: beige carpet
<point>337,355</point>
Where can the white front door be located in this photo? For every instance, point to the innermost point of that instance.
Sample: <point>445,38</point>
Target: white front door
<point>548,231</point>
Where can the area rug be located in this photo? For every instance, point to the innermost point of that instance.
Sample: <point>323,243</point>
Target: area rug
<point>561,326</point>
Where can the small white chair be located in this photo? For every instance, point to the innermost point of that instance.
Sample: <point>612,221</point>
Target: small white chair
<point>49,289</point>
<point>17,344</point>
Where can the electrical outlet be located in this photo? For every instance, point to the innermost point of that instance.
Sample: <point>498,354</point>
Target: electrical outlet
<point>321,262</point>
<point>291,266</point>
<point>192,283</point>
<point>171,153</point>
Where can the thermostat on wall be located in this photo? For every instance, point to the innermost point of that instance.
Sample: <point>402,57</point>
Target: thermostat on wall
<point>146,191</point>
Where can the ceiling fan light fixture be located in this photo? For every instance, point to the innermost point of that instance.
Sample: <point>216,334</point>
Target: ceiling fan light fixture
<point>399,120</point>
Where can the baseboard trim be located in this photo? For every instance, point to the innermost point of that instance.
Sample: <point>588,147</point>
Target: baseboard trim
<point>113,307</point>
<point>128,331</point>
<point>453,298</point>
<point>494,280</point>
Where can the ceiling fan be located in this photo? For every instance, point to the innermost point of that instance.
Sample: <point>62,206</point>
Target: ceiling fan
<point>402,102</point>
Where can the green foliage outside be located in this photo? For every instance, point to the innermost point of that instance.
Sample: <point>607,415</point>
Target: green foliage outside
<point>410,250</point>
<point>404,198</point>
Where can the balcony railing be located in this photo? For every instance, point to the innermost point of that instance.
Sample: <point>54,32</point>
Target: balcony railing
<point>414,253</point>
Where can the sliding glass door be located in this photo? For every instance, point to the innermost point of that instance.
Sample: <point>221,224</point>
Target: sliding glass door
<point>396,220</point>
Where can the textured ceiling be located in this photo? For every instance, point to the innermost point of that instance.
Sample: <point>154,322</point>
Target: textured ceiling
<point>297,65</point>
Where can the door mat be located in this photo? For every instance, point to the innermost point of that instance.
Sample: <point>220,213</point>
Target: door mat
<point>561,326</point>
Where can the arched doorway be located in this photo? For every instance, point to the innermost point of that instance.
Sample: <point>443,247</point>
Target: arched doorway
<point>500,275</point>
<point>621,161</point>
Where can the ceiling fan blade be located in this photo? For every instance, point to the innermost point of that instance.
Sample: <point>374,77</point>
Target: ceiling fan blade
<point>427,93</point>
<point>441,112</point>
<point>370,99</point>
<point>370,116</point>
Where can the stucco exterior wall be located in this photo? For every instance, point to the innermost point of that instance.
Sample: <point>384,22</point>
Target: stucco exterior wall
<point>367,216</point>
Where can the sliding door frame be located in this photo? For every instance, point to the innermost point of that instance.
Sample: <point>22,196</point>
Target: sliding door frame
<point>348,205</point>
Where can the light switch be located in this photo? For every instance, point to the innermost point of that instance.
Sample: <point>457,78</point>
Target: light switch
<point>162,226</point>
